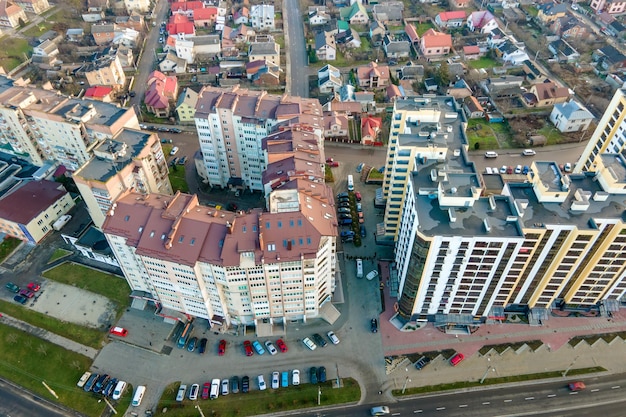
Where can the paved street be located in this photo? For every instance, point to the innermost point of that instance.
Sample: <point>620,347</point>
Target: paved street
<point>295,48</point>
<point>14,402</point>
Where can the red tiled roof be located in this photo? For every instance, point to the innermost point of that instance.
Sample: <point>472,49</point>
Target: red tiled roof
<point>205,14</point>
<point>370,126</point>
<point>186,5</point>
<point>432,39</point>
<point>98,91</point>
<point>445,16</point>
<point>471,50</point>
<point>161,89</point>
<point>410,30</point>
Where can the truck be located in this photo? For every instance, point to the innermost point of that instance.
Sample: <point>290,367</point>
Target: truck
<point>61,221</point>
<point>359,268</point>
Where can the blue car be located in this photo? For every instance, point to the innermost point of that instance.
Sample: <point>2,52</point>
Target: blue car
<point>192,344</point>
<point>525,169</point>
<point>258,347</point>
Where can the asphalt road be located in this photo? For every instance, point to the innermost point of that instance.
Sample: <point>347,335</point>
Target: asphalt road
<point>297,74</point>
<point>15,403</point>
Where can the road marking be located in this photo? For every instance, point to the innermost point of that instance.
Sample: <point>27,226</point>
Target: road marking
<point>462,405</point>
<point>507,401</point>
<point>529,398</point>
<point>486,403</point>
<point>551,395</point>
<point>440,408</point>
<point>395,414</point>
<point>573,393</point>
<point>417,411</point>
<point>616,387</point>
<point>595,390</point>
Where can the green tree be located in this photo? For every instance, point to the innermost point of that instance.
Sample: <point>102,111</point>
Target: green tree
<point>442,76</point>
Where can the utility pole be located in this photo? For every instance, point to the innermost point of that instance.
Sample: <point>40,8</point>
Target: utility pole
<point>570,367</point>
<point>406,381</point>
<point>319,395</point>
<point>50,390</point>
<point>200,410</point>
<point>109,404</point>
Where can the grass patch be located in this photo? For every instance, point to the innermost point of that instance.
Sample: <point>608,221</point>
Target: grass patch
<point>420,28</point>
<point>262,402</point>
<point>495,381</point>
<point>483,62</point>
<point>328,174</point>
<point>113,287</point>
<point>375,175</point>
<point>552,134</point>
<point>481,132</point>
<point>38,30</point>
<point>177,179</point>
<point>85,335</point>
<point>591,339</point>
<point>58,254</point>
<point>28,360</point>
<point>8,245</point>
<point>532,344</point>
<point>13,51</point>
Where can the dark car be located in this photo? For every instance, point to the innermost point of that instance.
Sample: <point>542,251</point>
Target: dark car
<point>91,382</point>
<point>313,375</point>
<point>234,384</point>
<point>202,347</point>
<point>374,325</point>
<point>163,129</point>
<point>321,374</point>
<point>166,140</point>
<point>221,349</point>
<point>363,231</point>
<point>100,383</point>
<point>110,386</point>
<point>191,346</point>
<point>245,384</point>
<point>358,196</point>
<point>318,339</point>
<point>132,94</point>
<point>247,346</point>
<point>12,287</point>
<point>343,195</point>
<point>422,362</point>
<point>344,216</point>
<point>182,160</point>
<point>175,130</point>
<point>20,299</point>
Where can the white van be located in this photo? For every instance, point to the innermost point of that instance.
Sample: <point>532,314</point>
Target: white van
<point>215,389</point>
<point>491,154</point>
<point>350,183</point>
<point>119,390</point>
<point>528,152</point>
<point>138,396</point>
<point>359,268</point>
<point>180,396</point>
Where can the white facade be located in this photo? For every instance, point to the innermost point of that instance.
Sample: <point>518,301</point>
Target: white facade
<point>262,17</point>
<point>141,6</point>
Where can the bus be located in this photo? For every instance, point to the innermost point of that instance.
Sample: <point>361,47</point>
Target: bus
<point>138,396</point>
<point>184,336</point>
<point>350,183</point>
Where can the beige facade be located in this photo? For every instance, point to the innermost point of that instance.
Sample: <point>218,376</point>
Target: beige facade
<point>109,74</point>
<point>33,6</point>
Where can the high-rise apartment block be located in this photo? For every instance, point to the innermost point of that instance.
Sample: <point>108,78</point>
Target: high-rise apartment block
<point>131,161</point>
<point>546,243</point>
<point>41,125</point>
<point>231,126</point>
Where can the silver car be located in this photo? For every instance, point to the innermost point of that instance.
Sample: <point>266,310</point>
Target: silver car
<point>309,343</point>
<point>270,347</point>
<point>333,338</point>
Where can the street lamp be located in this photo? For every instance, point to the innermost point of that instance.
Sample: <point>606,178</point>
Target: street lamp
<point>319,395</point>
<point>406,381</point>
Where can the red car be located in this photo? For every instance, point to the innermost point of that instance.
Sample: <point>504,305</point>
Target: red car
<point>509,170</point>
<point>456,359</point>
<point>358,196</point>
<point>118,331</point>
<point>206,387</point>
<point>576,386</point>
<point>27,293</point>
<point>281,345</point>
<point>333,164</point>
<point>248,348</point>
<point>221,348</point>
<point>33,286</point>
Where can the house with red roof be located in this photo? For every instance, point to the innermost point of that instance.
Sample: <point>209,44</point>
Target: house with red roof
<point>373,75</point>
<point>370,129</point>
<point>11,15</point>
<point>203,18</point>
<point>461,4</point>
<point>435,44</point>
<point>454,19</point>
<point>100,93</point>
<point>411,32</point>
<point>471,52</point>
<point>186,7</point>
<point>161,93</point>
<point>180,24</point>
<point>482,21</point>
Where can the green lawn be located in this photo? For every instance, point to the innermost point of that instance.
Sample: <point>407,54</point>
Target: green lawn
<point>552,134</point>
<point>28,360</point>
<point>483,62</point>
<point>13,51</point>
<point>485,135</point>
<point>420,28</point>
<point>177,179</point>
<point>58,254</point>
<point>7,246</point>
<point>85,335</point>
<point>261,402</point>
<point>113,287</point>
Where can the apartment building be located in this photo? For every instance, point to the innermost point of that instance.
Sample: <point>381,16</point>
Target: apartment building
<point>231,125</point>
<point>609,136</point>
<point>40,125</point>
<point>262,16</point>
<point>130,162</point>
<point>108,71</point>
<point>548,244</point>
<point>225,267</point>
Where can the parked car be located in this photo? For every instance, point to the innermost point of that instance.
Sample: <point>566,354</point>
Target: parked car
<point>281,345</point>
<point>83,379</point>
<point>363,231</point>
<point>333,164</point>
<point>321,374</point>
<point>526,169</point>
<point>180,395</point>
<point>261,381</point>
<point>333,337</point>
<point>234,385</point>
<point>164,140</point>
<point>295,377</point>
<point>358,196</point>
<point>118,331</point>
<point>225,384</point>
<point>509,170</point>
<point>206,388</point>
<point>344,216</point>
<point>191,346</point>
<point>361,218</point>
<point>20,299</point>
<point>258,348</point>
<point>343,195</point>
<point>247,346</point>
<point>27,293</point>
<point>91,382</point>
<point>108,390</point>
<point>202,347</point>
<point>33,286</point>
<point>503,169</point>
<point>270,348</point>
<point>567,167</point>
<point>119,390</point>
<point>359,167</point>
<point>422,362</point>
<point>12,287</point>
<point>518,169</point>
<point>528,152</point>
<point>175,130</point>
<point>174,151</point>
<point>359,207</point>
<point>182,160</point>
<point>275,380</point>
<point>371,275</point>
<point>193,392</point>
<point>343,210</point>
<point>374,325</point>
<point>346,233</point>
<point>309,343</point>
<point>100,383</point>
<point>221,348</point>
<point>245,384</point>
<point>456,359</point>
<point>319,340</point>
<point>313,375</point>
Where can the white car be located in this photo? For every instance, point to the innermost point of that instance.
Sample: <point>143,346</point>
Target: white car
<point>270,347</point>
<point>224,387</point>
<point>275,380</point>
<point>503,169</point>
<point>193,392</point>
<point>382,410</point>
<point>309,343</point>
<point>574,7</point>
<point>261,380</point>
<point>295,377</point>
<point>518,169</point>
<point>119,390</point>
<point>371,275</point>
<point>333,338</point>
<point>174,151</point>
